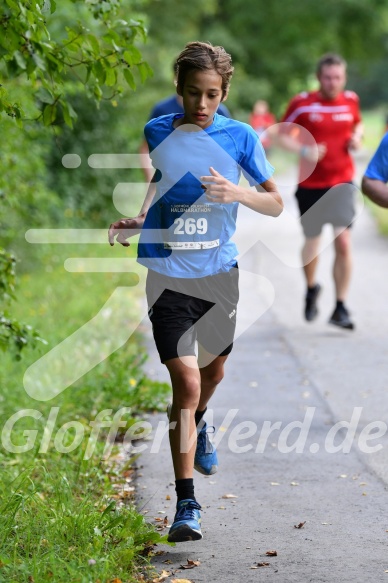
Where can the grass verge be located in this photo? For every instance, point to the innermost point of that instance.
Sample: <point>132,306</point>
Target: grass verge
<point>66,491</point>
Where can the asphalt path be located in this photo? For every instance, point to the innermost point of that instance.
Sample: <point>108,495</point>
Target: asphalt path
<point>296,419</point>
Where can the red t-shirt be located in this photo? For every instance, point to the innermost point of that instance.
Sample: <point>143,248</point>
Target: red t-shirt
<point>330,122</point>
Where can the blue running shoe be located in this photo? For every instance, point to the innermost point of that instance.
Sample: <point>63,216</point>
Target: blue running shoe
<point>187,522</point>
<point>205,460</point>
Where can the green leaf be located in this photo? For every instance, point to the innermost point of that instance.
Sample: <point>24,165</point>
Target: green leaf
<point>94,44</point>
<point>20,60</point>
<point>39,62</point>
<point>114,37</point>
<point>44,95</point>
<point>66,114</point>
<point>132,55</point>
<point>88,72</point>
<point>145,71</point>
<point>12,5</point>
<point>97,92</point>
<point>31,66</point>
<point>110,508</point>
<point>129,79</point>
<point>111,77</point>
<point>49,114</point>
<point>99,72</point>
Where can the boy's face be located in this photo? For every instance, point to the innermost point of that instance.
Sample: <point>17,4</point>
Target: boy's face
<point>202,94</point>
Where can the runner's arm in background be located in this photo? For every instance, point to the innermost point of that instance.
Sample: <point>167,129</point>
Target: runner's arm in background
<point>312,152</point>
<point>357,135</point>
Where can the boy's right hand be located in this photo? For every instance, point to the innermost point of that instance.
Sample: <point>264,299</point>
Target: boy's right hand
<point>125,228</point>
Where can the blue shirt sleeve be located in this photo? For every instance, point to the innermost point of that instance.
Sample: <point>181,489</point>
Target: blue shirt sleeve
<point>254,164</point>
<point>378,166</point>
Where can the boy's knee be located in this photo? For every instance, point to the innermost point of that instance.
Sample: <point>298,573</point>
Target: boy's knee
<point>213,377</point>
<point>187,392</point>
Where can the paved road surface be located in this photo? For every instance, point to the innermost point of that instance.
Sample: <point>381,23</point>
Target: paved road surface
<point>285,370</point>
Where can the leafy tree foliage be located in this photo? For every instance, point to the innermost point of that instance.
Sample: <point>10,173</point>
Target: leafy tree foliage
<point>49,54</point>
<point>100,56</point>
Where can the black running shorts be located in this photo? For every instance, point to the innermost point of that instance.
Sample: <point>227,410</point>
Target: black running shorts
<point>183,311</point>
<point>318,206</point>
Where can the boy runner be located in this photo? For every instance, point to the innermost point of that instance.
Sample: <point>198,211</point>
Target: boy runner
<point>186,222</point>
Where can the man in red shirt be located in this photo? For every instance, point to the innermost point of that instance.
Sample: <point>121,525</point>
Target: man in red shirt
<point>325,194</point>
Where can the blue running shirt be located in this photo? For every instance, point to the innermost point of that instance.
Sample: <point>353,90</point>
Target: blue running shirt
<point>185,235</point>
<point>378,166</point>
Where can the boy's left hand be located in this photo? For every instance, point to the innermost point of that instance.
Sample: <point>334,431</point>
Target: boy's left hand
<point>219,189</point>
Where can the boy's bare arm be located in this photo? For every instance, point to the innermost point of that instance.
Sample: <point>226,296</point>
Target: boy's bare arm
<point>125,228</point>
<point>376,190</point>
<point>144,156</point>
<point>265,199</point>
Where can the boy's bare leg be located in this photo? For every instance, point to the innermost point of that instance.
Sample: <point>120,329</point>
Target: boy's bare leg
<point>211,375</point>
<point>192,389</point>
<point>186,390</point>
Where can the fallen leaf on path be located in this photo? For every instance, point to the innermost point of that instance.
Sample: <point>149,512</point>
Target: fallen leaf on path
<point>262,564</point>
<point>163,575</point>
<point>294,483</point>
<point>300,525</point>
<point>221,508</point>
<point>191,564</point>
<point>180,581</point>
<point>229,496</point>
<point>162,523</point>
<point>271,553</point>
<point>275,484</point>
<point>168,497</point>
<point>167,561</point>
